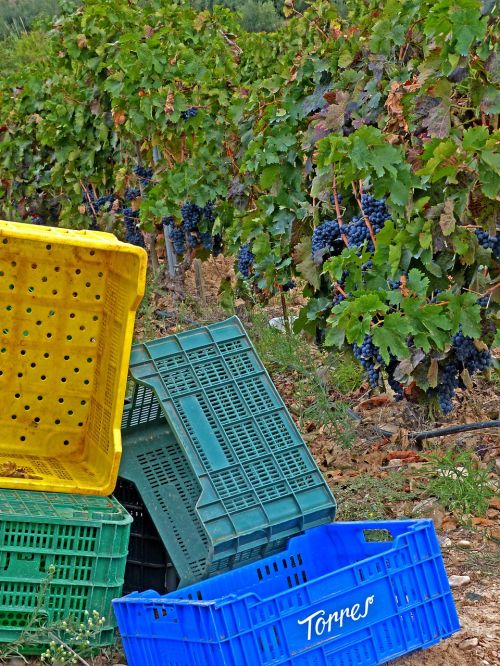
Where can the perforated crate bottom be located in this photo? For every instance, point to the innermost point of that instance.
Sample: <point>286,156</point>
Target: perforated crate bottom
<point>60,475</point>
<point>155,463</point>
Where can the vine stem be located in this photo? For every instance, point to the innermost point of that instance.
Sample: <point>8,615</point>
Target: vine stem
<point>365,217</point>
<point>88,197</point>
<point>284,308</point>
<point>339,288</point>
<point>337,208</point>
<point>492,288</point>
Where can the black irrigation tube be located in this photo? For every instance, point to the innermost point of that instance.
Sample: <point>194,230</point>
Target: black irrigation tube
<point>440,432</point>
<point>428,434</point>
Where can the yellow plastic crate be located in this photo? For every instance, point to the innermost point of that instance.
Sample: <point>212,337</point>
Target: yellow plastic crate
<point>67,305</point>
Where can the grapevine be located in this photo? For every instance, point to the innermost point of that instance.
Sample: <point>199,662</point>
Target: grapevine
<point>360,156</point>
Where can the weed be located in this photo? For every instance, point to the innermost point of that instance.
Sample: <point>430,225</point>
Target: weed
<point>371,495</point>
<point>345,373</point>
<point>60,642</point>
<point>283,353</point>
<point>459,483</point>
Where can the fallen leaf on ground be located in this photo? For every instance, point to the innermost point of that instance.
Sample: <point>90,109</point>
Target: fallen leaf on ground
<point>407,456</point>
<point>484,522</point>
<point>373,403</point>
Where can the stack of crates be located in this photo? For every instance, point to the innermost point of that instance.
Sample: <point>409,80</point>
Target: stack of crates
<point>214,456</point>
<point>252,569</point>
<point>68,300</point>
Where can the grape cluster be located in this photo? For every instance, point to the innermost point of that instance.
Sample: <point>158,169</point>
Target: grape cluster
<point>369,357</point>
<point>132,193</point>
<point>191,232</point>
<point>189,113</point>
<point>449,381</point>
<point>326,239</point>
<point>483,301</point>
<point>191,216</point>
<point>144,175</point>
<point>177,236</point>
<point>133,234</point>
<point>245,260</point>
<point>467,353</point>
<point>489,242</point>
<point>393,383</point>
<point>288,286</point>
<point>357,231</point>
<point>463,355</point>
<point>36,219</point>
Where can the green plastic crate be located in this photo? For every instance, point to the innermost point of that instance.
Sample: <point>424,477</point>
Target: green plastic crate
<point>85,538</point>
<point>217,459</point>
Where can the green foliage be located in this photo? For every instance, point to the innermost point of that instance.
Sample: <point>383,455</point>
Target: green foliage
<point>395,99</point>
<point>460,483</point>
<point>255,15</point>
<point>23,51</point>
<point>345,374</point>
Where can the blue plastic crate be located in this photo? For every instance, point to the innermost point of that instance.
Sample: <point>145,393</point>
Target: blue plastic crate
<point>343,594</point>
<point>216,457</point>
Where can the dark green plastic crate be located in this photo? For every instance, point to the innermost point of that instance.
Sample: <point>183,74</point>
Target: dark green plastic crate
<point>228,461</point>
<point>85,538</point>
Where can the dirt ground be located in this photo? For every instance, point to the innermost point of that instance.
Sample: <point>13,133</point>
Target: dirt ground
<point>384,472</point>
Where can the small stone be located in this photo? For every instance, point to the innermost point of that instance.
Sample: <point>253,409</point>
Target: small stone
<point>464,543</point>
<point>472,596</point>
<point>458,581</point>
<point>469,643</point>
<point>445,542</point>
<point>424,506</point>
<point>395,462</point>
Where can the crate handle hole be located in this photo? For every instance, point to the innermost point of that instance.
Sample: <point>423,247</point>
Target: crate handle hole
<point>374,535</point>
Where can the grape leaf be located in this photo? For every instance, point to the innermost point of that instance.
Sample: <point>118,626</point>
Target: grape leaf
<point>390,338</point>
<point>417,282</point>
<point>447,219</point>
<point>304,262</point>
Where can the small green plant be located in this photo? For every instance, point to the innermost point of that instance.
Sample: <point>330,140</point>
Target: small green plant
<point>78,634</point>
<point>60,642</point>
<point>346,375</point>
<point>372,495</point>
<point>460,483</point>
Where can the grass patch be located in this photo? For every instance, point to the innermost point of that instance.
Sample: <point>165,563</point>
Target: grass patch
<point>345,373</point>
<point>369,497</point>
<point>459,483</point>
<point>293,355</point>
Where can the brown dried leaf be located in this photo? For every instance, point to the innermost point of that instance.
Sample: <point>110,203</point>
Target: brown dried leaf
<point>82,41</point>
<point>334,117</point>
<point>432,374</point>
<point>119,117</point>
<point>447,219</point>
<point>373,403</point>
<point>12,470</point>
<point>169,103</point>
<point>148,31</point>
